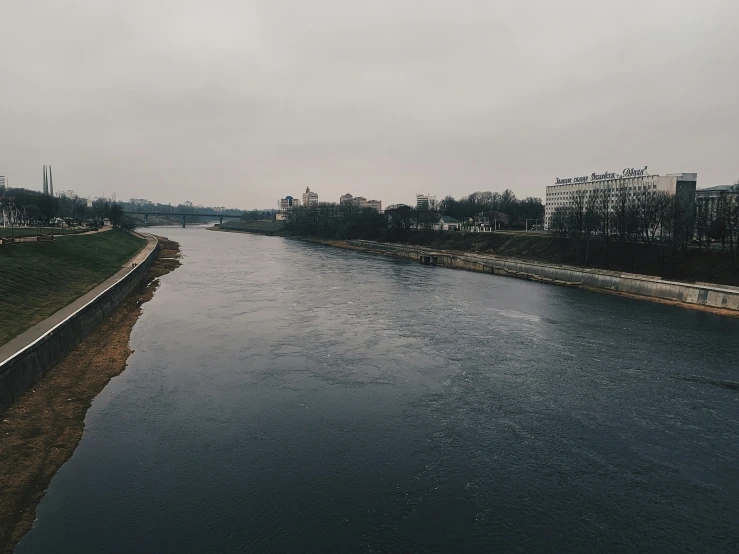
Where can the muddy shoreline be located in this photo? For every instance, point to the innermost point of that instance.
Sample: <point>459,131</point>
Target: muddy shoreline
<point>41,430</point>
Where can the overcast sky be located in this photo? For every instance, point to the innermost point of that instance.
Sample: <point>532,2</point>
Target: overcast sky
<point>240,102</point>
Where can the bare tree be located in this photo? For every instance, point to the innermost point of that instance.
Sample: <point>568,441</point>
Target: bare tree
<point>603,207</point>
<point>590,223</point>
<point>621,213</point>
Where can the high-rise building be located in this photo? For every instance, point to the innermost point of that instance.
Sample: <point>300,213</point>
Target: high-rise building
<point>3,182</point>
<point>310,198</point>
<point>345,198</point>
<point>425,202</point>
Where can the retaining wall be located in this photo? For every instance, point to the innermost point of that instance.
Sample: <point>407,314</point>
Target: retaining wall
<point>20,371</point>
<point>699,294</point>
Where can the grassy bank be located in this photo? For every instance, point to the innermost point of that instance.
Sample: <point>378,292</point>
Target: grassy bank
<point>42,429</point>
<point>261,227</point>
<point>37,279</point>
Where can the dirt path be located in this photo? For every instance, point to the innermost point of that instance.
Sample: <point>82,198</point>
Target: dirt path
<point>42,429</point>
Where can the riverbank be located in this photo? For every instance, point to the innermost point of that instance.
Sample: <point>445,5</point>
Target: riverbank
<point>42,428</point>
<point>38,279</point>
<point>270,228</point>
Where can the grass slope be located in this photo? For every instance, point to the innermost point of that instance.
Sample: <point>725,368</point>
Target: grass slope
<point>33,231</point>
<point>37,279</point>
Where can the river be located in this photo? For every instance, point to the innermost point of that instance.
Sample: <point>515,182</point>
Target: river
<point>290,397</point>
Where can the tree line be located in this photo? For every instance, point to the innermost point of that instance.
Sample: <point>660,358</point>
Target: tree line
<point>258,215</point>
<point>25,207</point>
<point>342,221</point>
<point>645,216</point>
<point>347,220</point>
<point>489,203</point>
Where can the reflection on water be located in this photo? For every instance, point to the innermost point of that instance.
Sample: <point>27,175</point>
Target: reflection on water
<point>285,396</point>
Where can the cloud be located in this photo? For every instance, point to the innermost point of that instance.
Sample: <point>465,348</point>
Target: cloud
<point>238,103</point>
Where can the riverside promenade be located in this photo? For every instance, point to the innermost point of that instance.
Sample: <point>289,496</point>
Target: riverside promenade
<point>92,307</point>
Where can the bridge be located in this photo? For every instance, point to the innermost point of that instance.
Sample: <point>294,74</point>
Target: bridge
<point>183,216</point>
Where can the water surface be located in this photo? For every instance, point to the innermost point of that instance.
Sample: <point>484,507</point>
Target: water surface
<point>285,396</point>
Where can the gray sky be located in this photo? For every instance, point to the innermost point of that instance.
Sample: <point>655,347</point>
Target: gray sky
<point>239,102</point>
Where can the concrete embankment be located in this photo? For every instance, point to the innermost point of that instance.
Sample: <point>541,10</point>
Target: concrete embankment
<point>27,357</point>
<point>704,296</point>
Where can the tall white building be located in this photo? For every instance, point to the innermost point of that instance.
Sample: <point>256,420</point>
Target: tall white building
<point>630,180</point>
<point>310,198</point>
<point>425,202</point>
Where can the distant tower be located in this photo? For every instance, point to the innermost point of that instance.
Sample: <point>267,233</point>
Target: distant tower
<point>46,184</point>
<point>51,183</point>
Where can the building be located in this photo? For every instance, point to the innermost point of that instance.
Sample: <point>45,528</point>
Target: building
<point>707,200</point>
<point>490,221</point>
<point>310,198</point>
<point>447,223</point>
<point>425,202</point>
<point>630,181</point>
<point>375,205</point>
<point>3,182</point>
<point>714,193</point>
<point>288,202</point>
<point>360,201</point>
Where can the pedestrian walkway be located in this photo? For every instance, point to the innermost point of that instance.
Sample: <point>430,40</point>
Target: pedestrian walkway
<point>35,333</point>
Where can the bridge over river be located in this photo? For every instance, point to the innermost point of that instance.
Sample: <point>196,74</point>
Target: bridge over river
<point>183,216</point>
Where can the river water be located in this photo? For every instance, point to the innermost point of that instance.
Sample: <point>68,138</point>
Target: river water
<point>285,396</point>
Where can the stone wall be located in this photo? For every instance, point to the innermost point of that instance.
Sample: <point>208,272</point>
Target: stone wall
<point>19,372</point>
